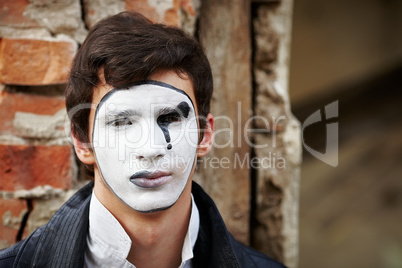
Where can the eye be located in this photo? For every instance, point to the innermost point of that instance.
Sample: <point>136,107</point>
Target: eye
<point>169,118</point>
<point>121,122</point>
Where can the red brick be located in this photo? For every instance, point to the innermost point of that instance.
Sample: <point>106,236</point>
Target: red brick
<point>187,6</point>
<point>23,167</point>
<point>144,8</point>
<point>156,12</point>
<point>10,103</point>
<point>35,62</point>
<point>12,14</point>
<point>10,224</point>
<point>172,15</point>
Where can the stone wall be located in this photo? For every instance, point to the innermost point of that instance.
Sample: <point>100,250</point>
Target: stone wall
<point>253,171</point>
<point>247,45</point>
<point>277,138</point>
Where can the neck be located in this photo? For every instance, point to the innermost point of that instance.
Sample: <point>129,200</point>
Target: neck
<point>157,237</point>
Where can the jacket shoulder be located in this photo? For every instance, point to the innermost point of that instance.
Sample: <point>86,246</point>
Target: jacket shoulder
<point>249,257</point>
<point>261,260</point>
<point>8,255</point>
<point>59,243</point>
<point>215,246</point>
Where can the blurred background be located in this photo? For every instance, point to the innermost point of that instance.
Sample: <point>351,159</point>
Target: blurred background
<point>351,52</point>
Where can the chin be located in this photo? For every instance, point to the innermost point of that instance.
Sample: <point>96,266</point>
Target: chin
<point>155,209</point>
<point>157,205</point>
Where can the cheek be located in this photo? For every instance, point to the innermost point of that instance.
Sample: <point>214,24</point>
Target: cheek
<point>184,142</point>
<point>132,138</point>
<point>184,150</point>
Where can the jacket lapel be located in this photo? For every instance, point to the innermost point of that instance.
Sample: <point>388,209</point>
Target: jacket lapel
<point>213,247</point>
<point>61,242</point>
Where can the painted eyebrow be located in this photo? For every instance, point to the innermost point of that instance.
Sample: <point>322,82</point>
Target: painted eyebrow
<point>182,108</point>
<point>123,113</point>
<point>167,110</point>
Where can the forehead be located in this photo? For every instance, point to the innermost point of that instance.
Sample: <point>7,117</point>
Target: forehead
<point>144,95</point>
<point>170,78</point>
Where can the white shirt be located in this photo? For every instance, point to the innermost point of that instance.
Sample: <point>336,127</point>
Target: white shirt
<point>108,244</point>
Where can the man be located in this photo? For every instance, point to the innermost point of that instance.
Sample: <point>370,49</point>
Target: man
<point>138,99</point>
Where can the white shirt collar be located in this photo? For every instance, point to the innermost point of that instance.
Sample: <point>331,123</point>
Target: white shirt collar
<point>191,236</point>
<point>109,244</point>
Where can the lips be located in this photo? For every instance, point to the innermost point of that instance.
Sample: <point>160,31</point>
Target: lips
<point>146,179</point>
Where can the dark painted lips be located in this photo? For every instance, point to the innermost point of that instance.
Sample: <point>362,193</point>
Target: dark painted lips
<point>146,179</point>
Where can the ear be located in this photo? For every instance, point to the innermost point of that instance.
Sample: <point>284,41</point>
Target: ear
<point>83,152</point>
<point>207,140</point>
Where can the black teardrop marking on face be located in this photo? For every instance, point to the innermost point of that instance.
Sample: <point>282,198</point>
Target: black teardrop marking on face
<point>184,108</point>
<point>165,120</point>
<point>164,127</point>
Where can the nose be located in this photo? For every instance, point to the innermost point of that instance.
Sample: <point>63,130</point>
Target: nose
<point>155,146</point>
<point>150,153</point>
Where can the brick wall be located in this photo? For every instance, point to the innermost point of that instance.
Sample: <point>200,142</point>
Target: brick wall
<point>38,168</point>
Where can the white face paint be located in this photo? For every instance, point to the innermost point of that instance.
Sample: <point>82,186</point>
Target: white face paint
<point>145,141</point>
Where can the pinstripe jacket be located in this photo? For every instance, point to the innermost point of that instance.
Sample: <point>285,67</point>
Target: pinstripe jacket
<point>62,241</point>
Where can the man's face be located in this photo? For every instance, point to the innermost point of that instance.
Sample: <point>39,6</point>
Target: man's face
<point>145,142</point>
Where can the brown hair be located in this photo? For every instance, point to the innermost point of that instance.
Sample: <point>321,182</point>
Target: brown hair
<point>130,48</point>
